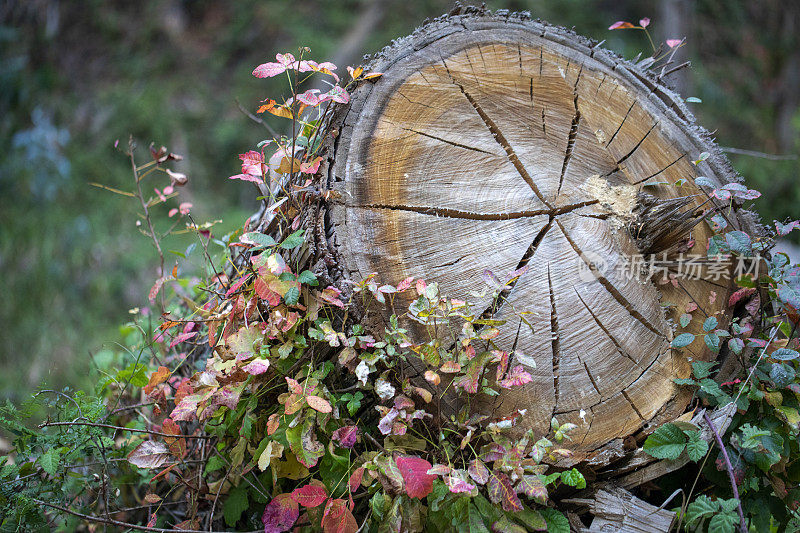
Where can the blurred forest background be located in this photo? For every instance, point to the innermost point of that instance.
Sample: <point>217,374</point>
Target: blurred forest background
<point>77,75</point>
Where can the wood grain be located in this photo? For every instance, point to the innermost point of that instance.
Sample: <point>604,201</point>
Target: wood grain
<point>492,142</point>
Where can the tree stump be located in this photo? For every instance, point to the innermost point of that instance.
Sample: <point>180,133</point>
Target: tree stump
<point>494,142</point>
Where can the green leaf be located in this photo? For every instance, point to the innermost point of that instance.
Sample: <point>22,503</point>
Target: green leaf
<point>685,319</point>
<point>784,354</point>
<point>292,296</point>
<point>294,240</point>
<point>307,277</point>
<point>666,442</point>
<point>49,461</point>
<point>235,505</point>
<point>702,369</point>
<point>696,448</point>
<point>693,100</point>
<point>259,239</point>
<point>684,339</point>
<point>723,523</point>
<point>739,242</point>
<point>573,478</point>
<point>214,463</point>
<point>712,341</point>
<point>710,323</point>
<point>532,520</point>
<point>700,508</point>
<point>556,522</point>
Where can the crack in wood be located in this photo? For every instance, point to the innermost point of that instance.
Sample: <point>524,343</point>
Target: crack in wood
<point>607,284</point>
<point>591,378</point>
<point>573,133</point>
<point>503,142</point>
<point>452,143</point>
<point>628,112</point>
<point>659,172</point>
<point>445,212</point>
<point>554,339</point>
<point>626,156</point>
<point>633,405</point>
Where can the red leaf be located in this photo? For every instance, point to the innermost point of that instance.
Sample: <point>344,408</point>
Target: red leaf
<point>415,475</point>
<point>619,25</point>
<point>176,446</point>
<point>310,495</point>
<point>346,436</point>
<point>156,287</point>
<point>318,404</point>
<point>338,518</point>
<point>501,491</point>
<point>740,294</point>
<point>518,376</point>
<point>355,479</point>
<point>280,514</point>
<point>181,338</point>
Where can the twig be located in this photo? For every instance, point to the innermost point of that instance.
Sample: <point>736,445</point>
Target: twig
<point>742,522</point>
<point>762,155</point>
<point>112,522</point>
<point>144,207</point>
<point>120,428</point>
<point>258,120</point>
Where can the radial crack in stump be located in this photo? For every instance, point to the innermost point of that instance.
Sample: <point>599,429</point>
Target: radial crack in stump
<point>490,143</point>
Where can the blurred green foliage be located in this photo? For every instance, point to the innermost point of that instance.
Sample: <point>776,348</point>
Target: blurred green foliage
<point>76,76</point>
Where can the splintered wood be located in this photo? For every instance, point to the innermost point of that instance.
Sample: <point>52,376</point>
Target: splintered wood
<point>493,145</point>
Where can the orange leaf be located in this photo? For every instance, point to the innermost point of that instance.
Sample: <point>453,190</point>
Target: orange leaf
<point>319,404</point>
<point>157,378</point>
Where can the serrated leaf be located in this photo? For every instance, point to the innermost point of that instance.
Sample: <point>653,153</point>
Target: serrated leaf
<point>700,508</point>
<point>710,323</point>
<point>235,504</point>
<point>685,319</point>
<point>294,240</point>
<point>784,354</point>
<point>307,277</point>
<point>739,242</point>
<point>573,478</point>
<point>49,461</point>
<point>292,295</point>
<point>556,521</point>
<point>682,340</point>
<point>712,341</point>
<point>666,442</point>
<point>723,523</point>
<point>696,448</point>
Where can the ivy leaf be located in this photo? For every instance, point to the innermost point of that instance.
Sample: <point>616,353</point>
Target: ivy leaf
<point>696,448</point>
<point>310,495</point>
<point>235,505</point>
<point>501,491</point>
<point>415,475</point>
<point>666,442</point>
<point>280,514</point>
<point>682,340</point>
<point>294,240</point>
<point>49,461</point>
<point>556,521</point>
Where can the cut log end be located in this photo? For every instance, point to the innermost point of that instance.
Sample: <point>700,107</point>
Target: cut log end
<point>492,143</point>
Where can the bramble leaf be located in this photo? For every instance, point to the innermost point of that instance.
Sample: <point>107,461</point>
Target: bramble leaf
<point>666,442</point>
